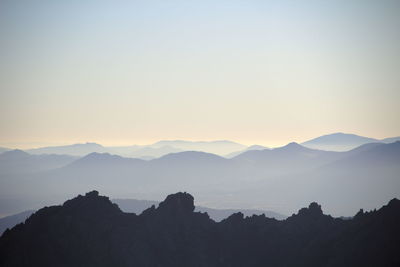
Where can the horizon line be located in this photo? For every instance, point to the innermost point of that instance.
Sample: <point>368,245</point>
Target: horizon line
<point>31,145</point>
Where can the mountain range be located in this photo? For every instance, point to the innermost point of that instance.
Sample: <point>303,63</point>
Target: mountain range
<point>155,150</point>
<point>228,149</point>
<point>90,230</point>
<point>343,141</point>
<point>277,179</point>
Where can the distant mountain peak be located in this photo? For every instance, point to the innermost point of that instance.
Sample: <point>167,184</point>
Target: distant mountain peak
<point>338,141</point>
<point>341,138</point>
<point>292,146</point>
<point>340,134</point>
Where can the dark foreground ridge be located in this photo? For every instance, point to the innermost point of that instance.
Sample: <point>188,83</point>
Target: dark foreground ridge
<point>91,231</point>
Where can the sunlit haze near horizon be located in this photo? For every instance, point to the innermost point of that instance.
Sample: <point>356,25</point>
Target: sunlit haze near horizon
<point>254,72</point>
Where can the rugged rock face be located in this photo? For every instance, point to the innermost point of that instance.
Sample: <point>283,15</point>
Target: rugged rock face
<point>91,231</point>
<point>179,204</point>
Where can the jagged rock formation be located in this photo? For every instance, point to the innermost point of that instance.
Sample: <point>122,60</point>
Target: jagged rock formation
<point>91,231</point>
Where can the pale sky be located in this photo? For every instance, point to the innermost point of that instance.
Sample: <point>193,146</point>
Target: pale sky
<point>255,72</point>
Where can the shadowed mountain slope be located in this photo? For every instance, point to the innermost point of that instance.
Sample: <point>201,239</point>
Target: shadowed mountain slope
<point>18,161</point>
<point>250,148</point>
<point>12,220</point>
<point>298,157</point>
<point>91,231</point>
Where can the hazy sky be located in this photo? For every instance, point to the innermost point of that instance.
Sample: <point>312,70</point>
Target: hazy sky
<point>134,72</point>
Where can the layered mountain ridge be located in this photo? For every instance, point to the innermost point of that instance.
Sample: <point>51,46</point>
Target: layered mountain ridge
<point>331,142</point>
<point>281,179</point>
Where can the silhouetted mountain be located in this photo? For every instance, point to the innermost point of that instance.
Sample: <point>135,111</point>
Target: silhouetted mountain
<point>91,231</point>
<point>338,142</point>
<point>138,206</point>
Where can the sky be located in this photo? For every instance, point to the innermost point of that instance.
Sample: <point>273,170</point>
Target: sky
<point>255,72</point>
